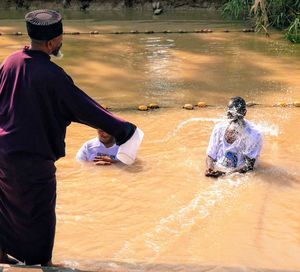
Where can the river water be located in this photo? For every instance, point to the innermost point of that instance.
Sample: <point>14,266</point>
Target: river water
<point>162,213</point>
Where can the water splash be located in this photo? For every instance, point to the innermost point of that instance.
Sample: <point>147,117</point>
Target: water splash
<point>198,119</point>
<point>182,124</point>
<point>268,129</point>
<point>263,127</point>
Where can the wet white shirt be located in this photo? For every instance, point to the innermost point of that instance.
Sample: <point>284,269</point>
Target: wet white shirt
<point>248,144</point>
<point>93,148</point>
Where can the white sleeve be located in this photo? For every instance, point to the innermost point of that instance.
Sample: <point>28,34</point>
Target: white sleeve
<point>115,155</point>
<point>82,154</point>
<point>212,149</point>
<point>254,146</point>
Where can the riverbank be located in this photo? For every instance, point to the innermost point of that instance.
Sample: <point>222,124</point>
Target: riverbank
<point>110,4</point>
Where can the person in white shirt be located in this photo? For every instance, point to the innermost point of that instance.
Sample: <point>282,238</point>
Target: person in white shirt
<point>234,144</point>
<point>102,150</point>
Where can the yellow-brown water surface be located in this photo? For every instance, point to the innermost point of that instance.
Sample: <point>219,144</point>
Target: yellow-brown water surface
<point>162,210</point>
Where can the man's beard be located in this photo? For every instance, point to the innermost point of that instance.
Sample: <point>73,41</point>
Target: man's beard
<point>57,53</point>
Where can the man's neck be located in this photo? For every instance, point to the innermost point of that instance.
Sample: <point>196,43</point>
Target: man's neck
<point>39,48</point>
<point>239,122</point>
<point>108,145</point>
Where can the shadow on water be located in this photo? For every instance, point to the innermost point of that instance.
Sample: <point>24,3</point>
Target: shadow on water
<point>111,266</point>
<point>276,175</point>
<point>138,166</point>
<point>279,177</point>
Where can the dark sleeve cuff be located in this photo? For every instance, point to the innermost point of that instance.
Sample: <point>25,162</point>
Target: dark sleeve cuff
<point>126,133</point>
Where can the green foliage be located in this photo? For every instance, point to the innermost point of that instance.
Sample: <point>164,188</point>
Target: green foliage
<point>234,9</point>
<point>293,32</point>
<point>281,14</point>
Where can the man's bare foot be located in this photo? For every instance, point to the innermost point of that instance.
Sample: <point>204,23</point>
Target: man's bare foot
<point>5,259</point>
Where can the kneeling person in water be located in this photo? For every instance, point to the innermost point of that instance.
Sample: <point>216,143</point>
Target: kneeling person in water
<point>234,144</point>
<point>102,150</point>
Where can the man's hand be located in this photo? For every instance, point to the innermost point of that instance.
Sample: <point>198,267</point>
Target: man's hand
<point>214,174</point>
<point>210,172</point>
<point>103,160</point>
<point>244,168</point>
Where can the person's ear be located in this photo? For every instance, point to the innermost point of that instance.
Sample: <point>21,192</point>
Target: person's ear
<point>50,45</point>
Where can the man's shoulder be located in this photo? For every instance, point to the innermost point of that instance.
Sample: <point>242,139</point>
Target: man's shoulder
<point>17,53</point>
<point>21,55</point>
<point>253,130</point>
<point>92,143</point>
<point>14,57</point>
<point>56,68</point>
<point>60,74</point>
<point>220,126</point>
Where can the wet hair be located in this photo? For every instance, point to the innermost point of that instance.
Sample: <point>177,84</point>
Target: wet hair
<point>237,107</point>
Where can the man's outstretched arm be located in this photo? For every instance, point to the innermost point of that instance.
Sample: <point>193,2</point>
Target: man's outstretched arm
<point>210,165</point>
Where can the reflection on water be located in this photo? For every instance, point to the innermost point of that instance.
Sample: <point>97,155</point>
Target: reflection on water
<point>159,60</point>
<point>162,213</point>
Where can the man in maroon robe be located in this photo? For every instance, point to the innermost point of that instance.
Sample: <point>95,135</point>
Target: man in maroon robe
<point>38,100</point>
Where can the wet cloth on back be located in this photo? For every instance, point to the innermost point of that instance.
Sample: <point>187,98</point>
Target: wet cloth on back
<point>248,144</point>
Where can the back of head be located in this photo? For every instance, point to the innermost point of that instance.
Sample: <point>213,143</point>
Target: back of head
<point>44,24</point>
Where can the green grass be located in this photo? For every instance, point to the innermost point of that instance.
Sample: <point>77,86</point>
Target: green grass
<point>281,14</point>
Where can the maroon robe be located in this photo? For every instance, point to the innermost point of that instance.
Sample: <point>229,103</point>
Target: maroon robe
<point>38,100</point>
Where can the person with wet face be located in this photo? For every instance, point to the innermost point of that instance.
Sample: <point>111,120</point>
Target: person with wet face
<point>102,150</point>
<point>38,100</point>
<point>235,144</point>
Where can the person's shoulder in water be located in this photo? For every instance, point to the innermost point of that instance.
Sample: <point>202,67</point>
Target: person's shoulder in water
<point>102,150</point>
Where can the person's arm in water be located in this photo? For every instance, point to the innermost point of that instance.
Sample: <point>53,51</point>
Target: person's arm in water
<point>210,165</point>
<point>247,166</point>
<point>212,151</point>
<point>244,168</point>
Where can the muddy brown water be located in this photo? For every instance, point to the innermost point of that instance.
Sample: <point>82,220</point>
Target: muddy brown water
<point>162,211</point>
